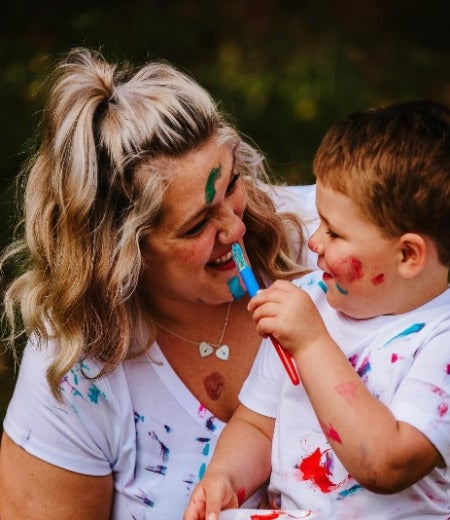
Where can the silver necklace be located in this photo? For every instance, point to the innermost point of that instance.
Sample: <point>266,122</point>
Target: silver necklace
<point>206,348</point>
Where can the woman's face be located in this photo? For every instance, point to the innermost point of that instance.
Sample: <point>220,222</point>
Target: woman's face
<point>188,254</point>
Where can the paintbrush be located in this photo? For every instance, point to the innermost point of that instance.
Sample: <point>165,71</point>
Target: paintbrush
<point>253,287</point>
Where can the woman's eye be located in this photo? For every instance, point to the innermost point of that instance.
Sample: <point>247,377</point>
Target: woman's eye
<point>195,230</point>
<point>232,184</point>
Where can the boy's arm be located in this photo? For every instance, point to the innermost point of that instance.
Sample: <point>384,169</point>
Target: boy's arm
<point>239,466</point>
<point>381,453</point>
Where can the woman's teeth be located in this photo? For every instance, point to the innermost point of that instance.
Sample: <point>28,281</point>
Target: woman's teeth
<point>223,259</point>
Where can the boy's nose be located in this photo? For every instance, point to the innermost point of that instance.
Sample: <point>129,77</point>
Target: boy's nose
<point>315,243</point>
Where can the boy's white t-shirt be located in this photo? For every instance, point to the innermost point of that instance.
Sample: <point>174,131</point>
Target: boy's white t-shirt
<point>140,423</point>
<point>404,361</point>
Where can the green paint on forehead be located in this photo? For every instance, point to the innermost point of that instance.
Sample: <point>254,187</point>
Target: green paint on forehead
<point>210,189</point>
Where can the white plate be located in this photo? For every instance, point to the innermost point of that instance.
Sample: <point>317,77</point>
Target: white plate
<point>264,514</point>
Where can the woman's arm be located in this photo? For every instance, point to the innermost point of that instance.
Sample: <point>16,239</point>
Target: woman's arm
<point>33,489</point>
<point>240,465</point>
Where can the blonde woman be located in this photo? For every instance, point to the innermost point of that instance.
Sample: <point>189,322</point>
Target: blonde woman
<point>138,335</point>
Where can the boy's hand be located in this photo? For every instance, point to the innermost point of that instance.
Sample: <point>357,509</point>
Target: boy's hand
<point>289,315</point>
<point>209,497</point>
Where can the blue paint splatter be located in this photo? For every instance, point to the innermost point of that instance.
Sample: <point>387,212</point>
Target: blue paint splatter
<point>138,417</point>
<point>201,471</point>
<point>145,499</point>
<point>417,327</point>
<point>341,289</point>
<point>164,449</point>
<point>206,449</point>
<point>202,439</point>
<point>161,470</point>
<point>167,428</point>
<point>235,288</point>
<point>94,393</point>
<point>323,286</point>
<point>351,491</point>
<point>364,368</point>
<point>210,424</point>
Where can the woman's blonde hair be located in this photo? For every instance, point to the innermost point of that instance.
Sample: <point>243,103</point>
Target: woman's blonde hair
<point>85,213</point>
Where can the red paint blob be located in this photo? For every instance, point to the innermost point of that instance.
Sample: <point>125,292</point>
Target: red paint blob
<point>379,278</point>
<point>356,270</point>
<point>442,409</point>
<point>347,390</point>
<point>313,470</point>
<point>241,495</point>
<point>269,516</point>
<point>394,358</point>
<point>330,432</point>
<point>448,368</point>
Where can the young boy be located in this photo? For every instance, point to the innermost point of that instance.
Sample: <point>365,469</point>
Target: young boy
<point>367,432</point>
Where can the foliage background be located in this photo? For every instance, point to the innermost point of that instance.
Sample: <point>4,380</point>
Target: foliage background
<point>283,69</point>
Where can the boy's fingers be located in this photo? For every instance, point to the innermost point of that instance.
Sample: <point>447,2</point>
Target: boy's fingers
<point>197,505</point>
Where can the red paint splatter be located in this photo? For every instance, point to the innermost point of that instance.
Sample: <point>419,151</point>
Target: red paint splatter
<point>241,494</point>
<point>348,391</point>
<point>313,470</point>
<point>330,433</point>
<point>442,409</point>
<point>394,357</point>
<point>355,269</point>
<point>379,278</point>
<point>269,516</point>
<point>448,368</point>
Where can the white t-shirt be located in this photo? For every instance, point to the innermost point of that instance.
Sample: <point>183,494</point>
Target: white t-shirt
<point>140,423</point>
<point>404,361</point>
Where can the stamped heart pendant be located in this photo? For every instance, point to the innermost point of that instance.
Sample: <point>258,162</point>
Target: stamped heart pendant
<point>223,352</point>
<point>205,349</point>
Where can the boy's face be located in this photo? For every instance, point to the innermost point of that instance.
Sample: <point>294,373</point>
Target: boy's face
<point>358,260</point>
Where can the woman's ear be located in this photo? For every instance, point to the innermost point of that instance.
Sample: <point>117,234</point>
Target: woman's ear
<point>413,255</point>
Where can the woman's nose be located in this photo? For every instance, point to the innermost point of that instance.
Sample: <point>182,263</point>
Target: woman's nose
<point>230,228</point>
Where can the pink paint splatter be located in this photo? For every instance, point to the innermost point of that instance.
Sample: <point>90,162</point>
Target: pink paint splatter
<point>331,433</point>
<point>312,469</point>
<point>379,278</point>
<point>348,391</point>
<point>442,409</point>
<point>201,410</point>
<point>395,357</point>
<point>448,368</point>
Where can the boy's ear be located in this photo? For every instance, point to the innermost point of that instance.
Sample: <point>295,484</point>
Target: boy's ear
<point>414,253</point>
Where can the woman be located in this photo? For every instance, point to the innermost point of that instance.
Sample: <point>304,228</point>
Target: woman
<point>139,337</point>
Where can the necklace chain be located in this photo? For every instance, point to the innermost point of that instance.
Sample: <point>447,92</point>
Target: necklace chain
<point>215,345</point>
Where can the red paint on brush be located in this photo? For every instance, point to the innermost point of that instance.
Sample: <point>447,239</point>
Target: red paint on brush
<point>312,469</point>
<point>379,278</point>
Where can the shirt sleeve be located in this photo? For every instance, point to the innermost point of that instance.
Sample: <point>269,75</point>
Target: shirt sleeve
<point>262,388</point>
<point>78,433</point>
<point>423,397</point>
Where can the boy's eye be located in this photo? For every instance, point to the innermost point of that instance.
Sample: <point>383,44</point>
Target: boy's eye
<point>195,230</point>
<point>332,234</point>
<point>232,183</point>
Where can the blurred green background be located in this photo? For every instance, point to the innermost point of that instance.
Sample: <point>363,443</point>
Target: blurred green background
<point>283,70</point>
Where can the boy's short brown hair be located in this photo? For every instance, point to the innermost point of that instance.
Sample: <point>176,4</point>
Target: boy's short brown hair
<point>394,163</point>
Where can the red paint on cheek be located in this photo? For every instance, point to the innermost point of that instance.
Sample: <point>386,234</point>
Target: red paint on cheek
<point>312,469</point>
<point>356,270</point>
<point>379,278</point>
<point>241,494</point>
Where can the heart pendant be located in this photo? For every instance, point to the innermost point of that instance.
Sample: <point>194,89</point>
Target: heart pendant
<point>223,352</point>
<point>205,349</point>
